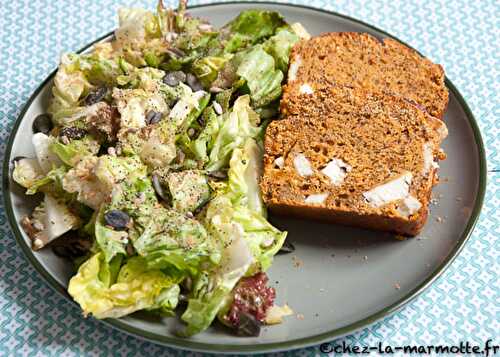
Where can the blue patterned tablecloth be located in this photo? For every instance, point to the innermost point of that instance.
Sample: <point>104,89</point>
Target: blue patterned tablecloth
<point>463,305</point>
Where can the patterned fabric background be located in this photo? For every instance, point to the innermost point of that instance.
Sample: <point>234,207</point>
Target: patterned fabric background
<point>464,304</point>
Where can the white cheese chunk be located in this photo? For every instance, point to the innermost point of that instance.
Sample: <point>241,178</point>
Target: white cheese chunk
<point>302,165</point>
<point>185,106</point>
<point>336,170</point>
<point>306,89</point>
<point>46,158</point>
<point>428,158</point>
<point>279,162</point>
<point>300,31</point>
<point>442,131</point>
<point>408,206</point>
<point>276,313</point>
<point>390,191</point>
<point>294,68</point>
<point>316,199</point>
<point>57,222</point>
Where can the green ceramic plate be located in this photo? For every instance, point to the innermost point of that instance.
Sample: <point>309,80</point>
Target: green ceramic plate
<point>340,279</point>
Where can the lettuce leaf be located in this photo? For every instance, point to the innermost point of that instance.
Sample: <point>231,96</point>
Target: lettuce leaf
<point>27,173</point>
<point>111,242</point>
<point>170,239</point>
<point>236,217</point>
<point>256,24</point>
<point>189,189</point>
<point>262,238</point>
<point>212,290</point>
<point>93,178</point>
<point>279,46</point>
<point>257,67</point>
<point>138,37</point>
<point>207,68</point>
<point>249,211</point>
<point>134,196</point>
<point>70,84</point>
<point>245,170</point>
<point>204,143</point>
<point>73,152</point>
<point>77,75</point>
<point>237,125</point>
<point>136,288</point>
<point>188,108</point>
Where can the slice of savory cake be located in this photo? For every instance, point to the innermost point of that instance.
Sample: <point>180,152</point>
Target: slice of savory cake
<point>361,60</point>
<point>352,157</point>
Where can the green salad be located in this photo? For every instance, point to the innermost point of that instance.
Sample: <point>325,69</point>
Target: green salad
<point>149,159</point>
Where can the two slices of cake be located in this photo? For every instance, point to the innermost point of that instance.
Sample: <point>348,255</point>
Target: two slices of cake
<point>359,141</point>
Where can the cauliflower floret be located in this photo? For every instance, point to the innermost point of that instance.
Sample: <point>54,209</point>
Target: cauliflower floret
<point>156,153</point>
<point>134,104</point>
<point>94,178</point>
<point>82,180</point>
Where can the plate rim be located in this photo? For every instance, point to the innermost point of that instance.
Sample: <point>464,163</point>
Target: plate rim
<point>187,344</point>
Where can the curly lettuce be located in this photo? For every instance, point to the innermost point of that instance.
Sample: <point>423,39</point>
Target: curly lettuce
<point>236,126</point>
<point>136,287</point>
<point>75,150</point>
<point>236,217</point>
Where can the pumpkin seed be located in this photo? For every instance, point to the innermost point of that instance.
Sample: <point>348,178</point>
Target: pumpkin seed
<point>248,326</point>
<point>96,96</point>
<point>153,117</point>
<point>117,219</point>
<point>174,78</point>
<point>42,124</point>
<point>193,82</point>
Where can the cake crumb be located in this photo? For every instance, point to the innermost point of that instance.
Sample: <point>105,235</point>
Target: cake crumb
<point>300,316</point>
<point>397,286</point>
<point>439,219</point>
<point>297,263</point>
<point>400,237</point>
<point>466,211</point>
